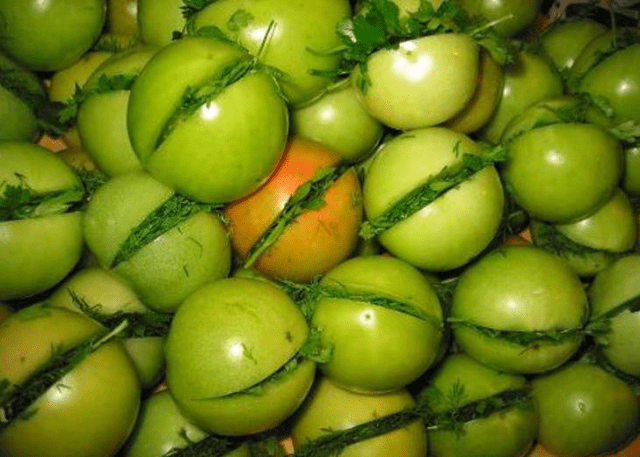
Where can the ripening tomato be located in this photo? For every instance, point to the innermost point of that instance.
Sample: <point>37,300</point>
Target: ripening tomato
<point>317,240</point>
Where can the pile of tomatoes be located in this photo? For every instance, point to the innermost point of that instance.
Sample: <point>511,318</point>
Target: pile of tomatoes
<point>375,228</point>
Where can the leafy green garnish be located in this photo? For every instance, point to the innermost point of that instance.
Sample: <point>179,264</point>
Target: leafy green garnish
<point>435,186</point>
<point>15,403</point>
<point>20,201</point>
<point>547,237</point>
<point>526,339</point>
<point>308,196</point>
<point>600,326</point>
<point>239,20</point>
<point>172,212</point>
<point>141,325</point>
<point>379,25</point>
<point>210,446</point>
<point>596,357</point>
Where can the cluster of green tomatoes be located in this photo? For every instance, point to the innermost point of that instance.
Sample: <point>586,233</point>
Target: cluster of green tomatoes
<point>329,228</point>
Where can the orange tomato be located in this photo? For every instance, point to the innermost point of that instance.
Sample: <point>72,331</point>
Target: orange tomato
<point>318,239</point>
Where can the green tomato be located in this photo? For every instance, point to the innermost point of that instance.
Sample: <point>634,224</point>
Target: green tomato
<point>330,408</point>
<point>89,411</point>
<point>375,348</point>
<point>238,135</point>
<point>162,428</point>
<point>338,121</point>
<point>455,227</point>
<point>37,252</point>
<point>52,35</point>
<point>158,20</point>
<point>563,172</point>
<point>303,37</point>
<point>513,291</point>
<point>631,177</point>
<point>166,270</point>
<point>511,17</point>
<point>102,117</point>
<point>505,433</point>
<point>226,342</point>
<point>122,17</point>
<point>584,410</point>
<point>611,288</point>
<point>98,287</point>
<point>531,79</point>
<point>564,42</point>
<point>421,82</point>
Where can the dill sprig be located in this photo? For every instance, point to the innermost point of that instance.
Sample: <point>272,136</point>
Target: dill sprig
<point>524,338</point>
<point>68,114</point>
<point>435,186</point>
<point>16,403</point>
<point>600,326</point>
<point>172,212</point>
<point>595,356</point>
<point>141,325</point>
<point>379,25</point>
<point>549,238</point>
<point>210,446</point>
<point>307,197</point>
<point>19,201</point>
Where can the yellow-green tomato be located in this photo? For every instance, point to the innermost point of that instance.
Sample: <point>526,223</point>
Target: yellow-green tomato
<point>38,249</point>
<point>584,410</point>
<point>162,428</point>
<point>90,410</point>
<point>189,120</point>
<point>158,19</point>
<point>457,225</point>
<point>303,36</point>
<point>331,408</point>
<point>383,321</point>
<point>530,79</point>
<point>421,82</point>
<point>109,294</point>
<point>338,120</point>
<point>610,290</point>
<point>226,351</point>
<point>563,172</point>
<point>177,260</point>
<point>506,432</point>
<point>519,309</point>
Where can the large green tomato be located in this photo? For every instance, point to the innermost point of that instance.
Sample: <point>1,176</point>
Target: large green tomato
<point>421,82</point>
<point>233,365</point>
<point>330,408</point>
<point>531,79</point>
<point>196,128</point>
<point>50,35</point>
<point>165,270</point>
<point>508,432</point>
<point>97,287</point>
<point>338,121</point>
<point>611,288</point>
<point>377,348</point>
<point>304,34</point>
<point>563,172</point>
<point>584,410</point>
<point>519,309</point>
<point>40,250</point>
<point>457,225</point>
<point>90,410</point>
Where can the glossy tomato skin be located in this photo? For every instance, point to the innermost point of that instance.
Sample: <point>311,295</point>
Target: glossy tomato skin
<point>329,407</point>
<point>227,337</point>
<point>456,226</point>
<point>523,289</point>
<point>422,82</point>
<point>158,19</point>
<point>611,288</point>
<point>238,136</point>
<point>507,433</point>
<point>75,406</point>
<point>584,410</point>
<point>338,120</point>
<point>513,16</point>
<point>302,40</point>
<point>377,349</point>
<point>563,172</point>
<point>37,252</point>
<point>318,239</point>
<point>34,34</point>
